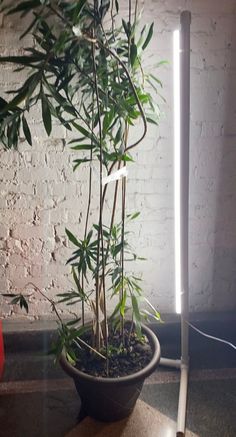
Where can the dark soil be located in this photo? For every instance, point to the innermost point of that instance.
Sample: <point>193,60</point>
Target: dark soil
<point>132,356</point>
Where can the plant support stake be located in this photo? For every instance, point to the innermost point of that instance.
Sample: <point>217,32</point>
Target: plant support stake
<point>181,165</point>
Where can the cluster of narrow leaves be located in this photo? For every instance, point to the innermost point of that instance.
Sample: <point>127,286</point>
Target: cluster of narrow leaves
<point>17,299</point>
<point>84,262</point>
<point>61,76</point>
<point>88,76</point>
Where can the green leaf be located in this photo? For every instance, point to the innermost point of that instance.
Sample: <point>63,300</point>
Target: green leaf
<point>23,60</point>
<point>149,37</point>
<point>19,298</point>
<point>127,158</point>
<point>76,254</point>
<point>23,303</point>
<point>76,279</point>
<point>123,305</point>
<point>133,216</point>
<point>25,7</point>
<point>23,93</point>
<point>26,130</point>
<point>84,132</point>
<point>72,238</point>
<point>136,314</point>
<point>105,233</point>
<point>77,140</point>
<point>156,80</point>
<point>110,156</point>
<point>8,294</point>
<point>133,54</point>
<point>118,136</point>
<point>107,120</point>
<point>70,110</point>
<point>89,236</point>
<point>126,27</point>
<point>152,119</point>
<point>46,114</point>
<point>155,314</point>
<point>115,273</point>
<point>116,310</point>
<point>29,28</point>
<point>73,322</point>
<point>19,98</point>
<point>82,147</point>
<point>117,6</point>
<point>78,8</point>
<point>71,298</point>
<point>164,62</point>
<point>117,249</point>
<point>70,359</point>
<point>80,161</point>
<point>15,300</point>
<point>3,104</point>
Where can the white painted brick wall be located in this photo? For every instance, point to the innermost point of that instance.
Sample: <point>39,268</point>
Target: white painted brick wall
<point>40,195</point>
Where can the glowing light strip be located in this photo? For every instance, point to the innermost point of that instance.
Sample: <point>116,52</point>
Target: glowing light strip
<point>177,172</point>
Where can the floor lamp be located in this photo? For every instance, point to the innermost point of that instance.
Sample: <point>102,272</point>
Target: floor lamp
<point>181,182</point>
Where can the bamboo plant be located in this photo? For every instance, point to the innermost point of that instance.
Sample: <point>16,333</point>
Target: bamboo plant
<point>85,70</point>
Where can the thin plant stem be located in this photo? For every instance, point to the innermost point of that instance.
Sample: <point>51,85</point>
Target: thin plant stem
<point>89,197</point>
<point>82,302</point>
<point>131,329</point>
<point>60,319</point>
<point>100,232</point>
<point>123,234</point>
<point>112,214</point>
<point>112,19</point>
<point>129,37</point>
<point>90,175</point>
<point>59,15</point>
<point>97,335</point>
<point>53,305</point>
<point>113,209</point>
<point>79,340</point>
<point>122,251</point>
<point>88,207</point>
<point>135,11</point>
<point>122,319</point>
<point>114,200</point>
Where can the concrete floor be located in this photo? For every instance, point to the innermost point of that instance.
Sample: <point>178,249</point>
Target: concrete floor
<point>49,407</point>
<point>144,421</point>
<point>38,400</point>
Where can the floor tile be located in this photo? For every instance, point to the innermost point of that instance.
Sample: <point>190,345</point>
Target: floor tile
<point>144,421</point>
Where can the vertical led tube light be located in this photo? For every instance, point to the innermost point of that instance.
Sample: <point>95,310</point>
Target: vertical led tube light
<point>185,21</point>
<point>176,82</point>
<point>181,210</point>
<point>181,155</point>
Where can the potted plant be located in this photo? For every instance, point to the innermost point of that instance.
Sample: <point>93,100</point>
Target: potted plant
<point>85,70</point>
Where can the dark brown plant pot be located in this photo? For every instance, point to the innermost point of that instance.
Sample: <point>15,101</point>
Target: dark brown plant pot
<point>111,399</point>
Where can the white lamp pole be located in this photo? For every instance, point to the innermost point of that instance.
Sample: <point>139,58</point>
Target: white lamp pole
<point>181,180</point>
<point>185,21</point>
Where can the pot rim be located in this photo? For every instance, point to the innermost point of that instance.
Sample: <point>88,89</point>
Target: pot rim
<point>133,377</point>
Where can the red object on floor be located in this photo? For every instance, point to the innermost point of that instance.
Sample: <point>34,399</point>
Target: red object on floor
<point>2,357</point>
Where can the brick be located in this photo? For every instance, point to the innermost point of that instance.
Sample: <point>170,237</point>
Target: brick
<point>26,231</point>
<point>4,231</point>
